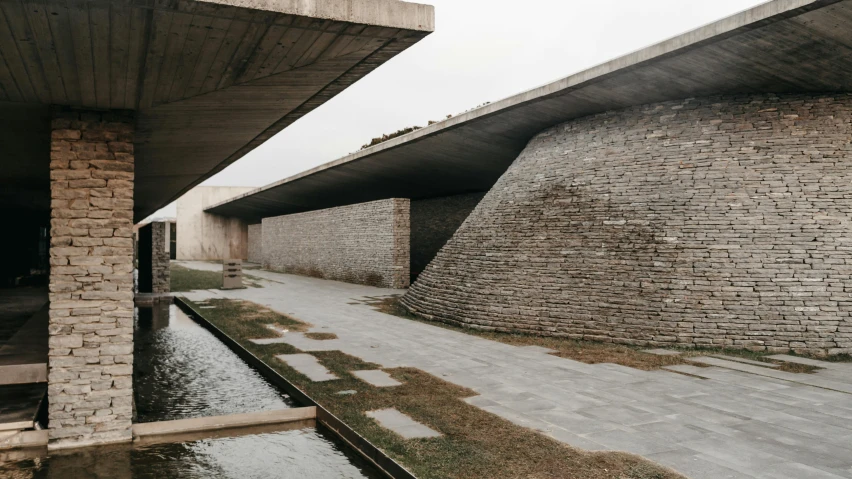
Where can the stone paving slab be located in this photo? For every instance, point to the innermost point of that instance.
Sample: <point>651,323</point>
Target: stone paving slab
<point>377,378</point>
<point>810,362</point>
<point>661,352</point>
<point>734,423</point>
<point>401,424</point>
<point>308,365</point>
<point>808,379</point>
<point>745,361</point>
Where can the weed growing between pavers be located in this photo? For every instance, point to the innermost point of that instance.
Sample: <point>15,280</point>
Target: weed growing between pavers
<point>321,336</point>
<point>592,352</point>
<point>475,443</point>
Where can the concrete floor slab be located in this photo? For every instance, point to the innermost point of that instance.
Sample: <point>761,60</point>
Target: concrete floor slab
<point>19,404</point>
<point>402,424</point>
<point>728,425</point>
<point>308,365</point>
<point>377,378</point>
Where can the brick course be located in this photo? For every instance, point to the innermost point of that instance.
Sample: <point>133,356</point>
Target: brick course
<point>719,221</point>
<point>367,243</point>
<point>91,280</point>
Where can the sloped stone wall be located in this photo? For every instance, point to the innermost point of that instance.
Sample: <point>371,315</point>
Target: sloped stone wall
<point>718,221</point>
<point>367,243</point>
<point>90,383</point>
<point>433,223</point>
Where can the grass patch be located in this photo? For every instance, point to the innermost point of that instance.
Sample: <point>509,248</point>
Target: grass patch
<point>187,279</point>
<point>475,444</point>
<point>244,319</point>
<point>321,336</point>
<point>592,352</point>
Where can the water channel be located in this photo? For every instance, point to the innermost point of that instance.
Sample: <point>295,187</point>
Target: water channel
<point>182,371</point>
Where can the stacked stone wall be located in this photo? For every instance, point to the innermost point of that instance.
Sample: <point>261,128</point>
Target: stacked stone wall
<point>720,221</point>
<point>367,243</point>
<point>433,222</point>
<point>255,243</point>
<point>160,266</point>
<point>91,281</point>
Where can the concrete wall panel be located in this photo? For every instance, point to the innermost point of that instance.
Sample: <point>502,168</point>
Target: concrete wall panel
<point>205,236</point>
<point>720,221</point>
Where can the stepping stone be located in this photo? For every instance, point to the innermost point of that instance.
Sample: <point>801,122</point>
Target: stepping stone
<point>377,378</point>
<point>662,352</point>
<point>277,329</point>
<point>744,361</point>
<point>265,341</point>
<point>347,392</point>
<point>401,424</point>
<point>307,365</point>
<point>207,307</point>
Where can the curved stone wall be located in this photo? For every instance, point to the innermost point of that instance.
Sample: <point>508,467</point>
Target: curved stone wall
<point>719,221</point>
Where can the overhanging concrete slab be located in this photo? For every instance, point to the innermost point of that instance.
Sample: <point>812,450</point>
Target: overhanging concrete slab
<point>210,80</point>
<point>781,46</point>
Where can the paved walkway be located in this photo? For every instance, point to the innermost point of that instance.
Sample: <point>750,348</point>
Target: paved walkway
<point>732,425</point>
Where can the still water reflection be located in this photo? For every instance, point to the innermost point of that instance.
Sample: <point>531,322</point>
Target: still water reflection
<point>182,371</point>
<point>302,454</point>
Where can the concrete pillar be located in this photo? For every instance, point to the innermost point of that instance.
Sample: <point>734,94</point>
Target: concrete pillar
<point>154,272</point>
<point>91,278</point>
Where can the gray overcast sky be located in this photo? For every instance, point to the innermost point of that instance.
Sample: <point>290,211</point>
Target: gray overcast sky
<point>481,50</point>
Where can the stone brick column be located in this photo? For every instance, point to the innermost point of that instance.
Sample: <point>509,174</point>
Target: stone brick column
<point>160,268</point>
<point>91,277</point>
<point>154,272</point>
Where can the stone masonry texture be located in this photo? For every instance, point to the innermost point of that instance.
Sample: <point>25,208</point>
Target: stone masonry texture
<point>433,222</point>
<point>367,243</point>
<point>719,221</point>
<point>255,243</point>
<point>154,267</point>
<point>160,265</point>
<point>91,282</point>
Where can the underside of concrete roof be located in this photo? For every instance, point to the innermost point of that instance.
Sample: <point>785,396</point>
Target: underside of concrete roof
<point>210,80</point>
<point>781,46</point>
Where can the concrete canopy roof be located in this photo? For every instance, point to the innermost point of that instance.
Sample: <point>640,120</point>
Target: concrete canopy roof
<point>211,80</point>
<point>780,46</point>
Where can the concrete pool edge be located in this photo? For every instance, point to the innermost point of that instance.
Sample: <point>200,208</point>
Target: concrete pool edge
<point>341,430</point>
<point>162,431</point>
<point>145,430</point>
